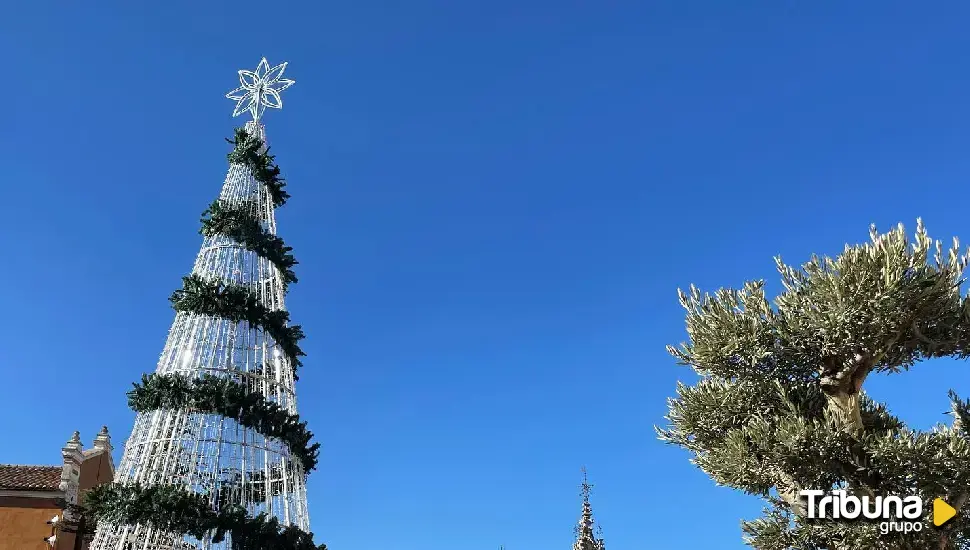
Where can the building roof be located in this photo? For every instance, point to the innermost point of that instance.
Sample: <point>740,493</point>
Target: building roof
<point>29,478</point>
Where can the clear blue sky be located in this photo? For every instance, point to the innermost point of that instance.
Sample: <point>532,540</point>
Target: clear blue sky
<point>493,205</point>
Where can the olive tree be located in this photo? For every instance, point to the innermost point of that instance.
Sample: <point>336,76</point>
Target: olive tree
<point>780,405</point>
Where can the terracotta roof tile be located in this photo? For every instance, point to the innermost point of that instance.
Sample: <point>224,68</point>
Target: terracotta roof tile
<point>29,478</point>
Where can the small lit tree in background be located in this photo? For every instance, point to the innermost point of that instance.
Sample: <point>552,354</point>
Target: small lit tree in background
<point>586,529</point>
<point>780,406</point>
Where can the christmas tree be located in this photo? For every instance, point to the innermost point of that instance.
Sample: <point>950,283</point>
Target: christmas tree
<point>585,530</point>
<point>780,407</point>
<point>218,456</point>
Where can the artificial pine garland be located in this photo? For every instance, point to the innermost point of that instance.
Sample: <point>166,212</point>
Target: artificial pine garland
<point>239,223</point>
<point>237,303</point>
<point>249,151</point>
<point>226,397</point>
<point>179,511</point>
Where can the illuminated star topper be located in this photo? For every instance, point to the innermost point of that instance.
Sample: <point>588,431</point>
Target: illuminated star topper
<point>260,89</point>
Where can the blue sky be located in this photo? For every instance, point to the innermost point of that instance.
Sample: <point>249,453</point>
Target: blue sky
<point>493,205</point>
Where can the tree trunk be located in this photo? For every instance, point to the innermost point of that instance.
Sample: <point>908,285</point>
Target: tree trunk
<point>842,384</point>
<point>843,411</point>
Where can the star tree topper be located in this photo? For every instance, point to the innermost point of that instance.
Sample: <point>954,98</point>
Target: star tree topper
<point>260,89</point>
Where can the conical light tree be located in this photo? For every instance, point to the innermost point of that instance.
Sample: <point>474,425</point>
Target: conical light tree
<point>218,456</point>
<point>586,538</point>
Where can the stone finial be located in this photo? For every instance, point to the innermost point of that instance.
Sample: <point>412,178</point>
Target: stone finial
<point>103,440</point>
<point>73,444</point>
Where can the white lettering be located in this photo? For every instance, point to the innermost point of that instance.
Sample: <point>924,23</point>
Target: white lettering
<point>821,506</point>
<point>839,504</point>
<point>811,501</point>
<point>872,512</point>
<point>914,507</point>
<point>855,505</point>
<point>887,511</point>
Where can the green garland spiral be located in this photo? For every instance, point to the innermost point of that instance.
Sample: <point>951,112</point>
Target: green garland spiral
<point>240,224</point>
<point>176,510</point>
<point>237,303</point>
<point>249,151</point>
<point>228,398</point>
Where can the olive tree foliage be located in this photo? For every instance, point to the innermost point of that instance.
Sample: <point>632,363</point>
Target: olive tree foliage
<point>780,405</point>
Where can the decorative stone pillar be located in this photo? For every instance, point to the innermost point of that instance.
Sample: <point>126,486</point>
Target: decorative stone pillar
<point>103,441</point>
<point>71,476</point>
